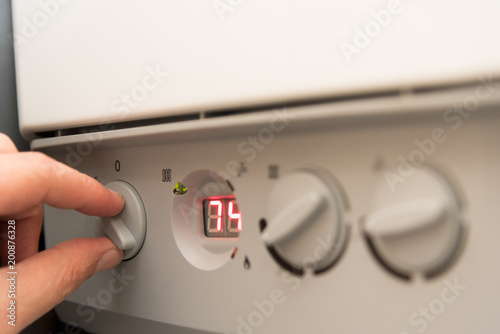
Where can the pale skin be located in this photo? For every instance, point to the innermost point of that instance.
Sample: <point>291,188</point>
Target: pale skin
<point>27,181</point>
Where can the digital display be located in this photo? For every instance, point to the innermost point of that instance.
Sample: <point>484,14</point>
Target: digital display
<point>221,217</point>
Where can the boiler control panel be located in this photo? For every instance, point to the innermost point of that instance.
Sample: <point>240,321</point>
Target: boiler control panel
<point>348,217</point>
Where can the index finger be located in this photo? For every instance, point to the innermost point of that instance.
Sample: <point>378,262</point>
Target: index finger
<point>31,178</point>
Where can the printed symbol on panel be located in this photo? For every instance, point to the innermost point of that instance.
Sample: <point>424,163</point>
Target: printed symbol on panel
<point>273,172</point>
<point>166,175</point>
<point>180,189</point>
<point>378,163</point>
<point>235,251</point>
<point>246,264</point>
<point>242,169</point>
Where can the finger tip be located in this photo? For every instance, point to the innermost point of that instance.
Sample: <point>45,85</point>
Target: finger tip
<point>119,199</point>
<point>6,144</point>
<point>109,259</point>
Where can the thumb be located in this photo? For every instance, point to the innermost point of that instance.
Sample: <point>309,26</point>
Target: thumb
<point>45,279</point>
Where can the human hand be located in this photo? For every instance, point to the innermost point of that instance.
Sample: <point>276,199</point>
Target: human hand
<point>27,181</point>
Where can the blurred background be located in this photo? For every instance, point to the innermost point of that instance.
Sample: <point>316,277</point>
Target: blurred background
<point>8,114</point>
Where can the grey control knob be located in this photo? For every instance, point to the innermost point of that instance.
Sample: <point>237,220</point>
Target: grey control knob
<point>127,230</point>
<point>416,229</point>
<point>306,227</point>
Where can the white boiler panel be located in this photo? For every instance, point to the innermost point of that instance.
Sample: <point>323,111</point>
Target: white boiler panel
<point>88,62</point>
<point>354,218</point>
<point>288,166</point>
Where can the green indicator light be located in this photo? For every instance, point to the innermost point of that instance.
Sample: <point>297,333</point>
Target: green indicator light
<point>180,189</point>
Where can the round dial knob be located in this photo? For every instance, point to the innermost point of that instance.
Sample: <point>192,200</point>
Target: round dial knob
<point>127,230</point>
<point>416,228</point>
<point>305,221</point>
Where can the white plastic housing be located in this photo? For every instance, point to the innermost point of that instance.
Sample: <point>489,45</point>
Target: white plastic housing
<point>92,62</point>
<point>357,142</point>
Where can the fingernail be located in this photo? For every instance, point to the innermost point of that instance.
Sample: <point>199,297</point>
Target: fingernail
<point>108,260</point>
<point>117,194</point>
<point>122,201</point>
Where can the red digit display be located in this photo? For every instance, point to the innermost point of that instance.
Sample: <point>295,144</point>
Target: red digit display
<point>234,221</point>
<point>214,217</point>
<point>221,217</point>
